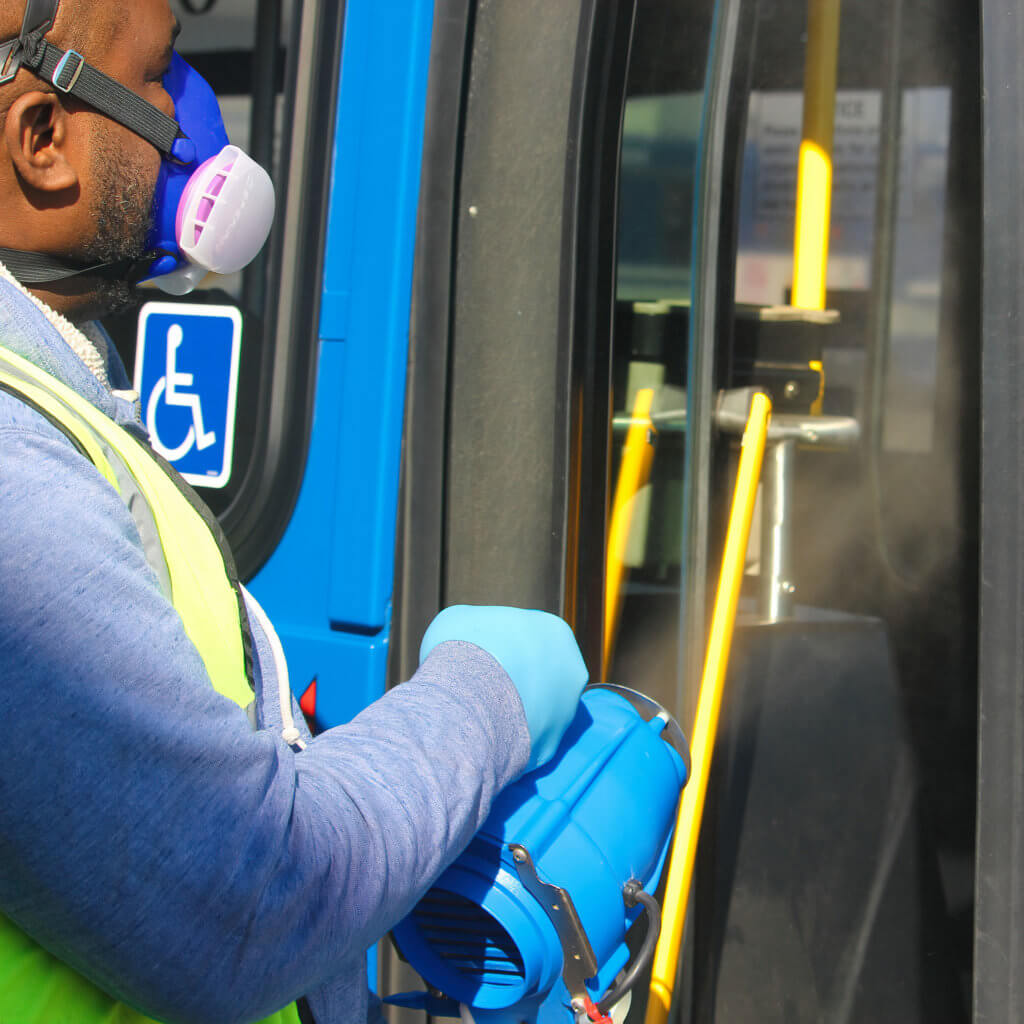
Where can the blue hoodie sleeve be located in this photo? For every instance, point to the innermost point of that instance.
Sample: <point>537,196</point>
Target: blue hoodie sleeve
<point>194,868</point>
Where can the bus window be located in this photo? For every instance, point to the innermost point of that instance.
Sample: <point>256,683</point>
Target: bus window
<point>274,67</point>
<point>219,40</point>
<point>227,43</point>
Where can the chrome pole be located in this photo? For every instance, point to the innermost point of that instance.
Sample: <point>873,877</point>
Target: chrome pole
<point>777,588</point>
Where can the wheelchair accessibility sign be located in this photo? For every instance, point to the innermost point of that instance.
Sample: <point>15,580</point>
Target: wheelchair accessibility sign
<point>186,374</point>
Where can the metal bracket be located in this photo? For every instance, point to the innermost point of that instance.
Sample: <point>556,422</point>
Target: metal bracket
<point>62,66</point>
<point>786,432</point>
<point>732,407</point>
<point>578,960</point>
<point>648,710</point>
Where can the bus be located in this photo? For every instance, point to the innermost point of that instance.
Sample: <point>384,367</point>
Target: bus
<point>499,226</point>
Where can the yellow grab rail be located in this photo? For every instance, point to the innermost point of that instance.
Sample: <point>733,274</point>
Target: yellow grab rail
<point>691,806</point>
<point>814,170</point>
<point>634,472</point>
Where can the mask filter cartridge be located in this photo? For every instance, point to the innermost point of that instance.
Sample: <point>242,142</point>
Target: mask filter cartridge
<point>225,212</point>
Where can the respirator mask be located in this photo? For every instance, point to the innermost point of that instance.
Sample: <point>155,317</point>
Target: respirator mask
<point>213,204</point>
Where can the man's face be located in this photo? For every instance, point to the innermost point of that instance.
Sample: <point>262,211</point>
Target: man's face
<point>120,171</point>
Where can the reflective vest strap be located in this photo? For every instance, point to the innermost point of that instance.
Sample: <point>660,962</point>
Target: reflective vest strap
<point>103,457</point>
<point>202,590</point>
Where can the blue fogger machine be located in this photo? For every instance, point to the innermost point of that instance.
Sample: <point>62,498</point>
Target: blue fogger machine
<point>529,924</point>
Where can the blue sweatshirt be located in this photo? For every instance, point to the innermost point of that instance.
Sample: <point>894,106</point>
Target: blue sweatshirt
<point>195,868</point>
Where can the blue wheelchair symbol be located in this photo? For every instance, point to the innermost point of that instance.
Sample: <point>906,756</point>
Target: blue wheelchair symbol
<point>186,371</point>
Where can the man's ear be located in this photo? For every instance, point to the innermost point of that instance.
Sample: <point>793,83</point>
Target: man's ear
<point>35,135</point>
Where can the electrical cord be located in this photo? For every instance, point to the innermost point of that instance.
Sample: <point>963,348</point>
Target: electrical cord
<point>633,893</point>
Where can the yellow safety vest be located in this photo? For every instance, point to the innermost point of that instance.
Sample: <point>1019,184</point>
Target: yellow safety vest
<point>36,987</point>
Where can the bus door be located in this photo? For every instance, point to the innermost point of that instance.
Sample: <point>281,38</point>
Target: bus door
<point>607,238</point>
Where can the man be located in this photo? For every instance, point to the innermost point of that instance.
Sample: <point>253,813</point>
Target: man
<point>158,857</point>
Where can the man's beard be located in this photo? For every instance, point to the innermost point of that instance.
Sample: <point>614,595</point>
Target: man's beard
<point>123,216</point>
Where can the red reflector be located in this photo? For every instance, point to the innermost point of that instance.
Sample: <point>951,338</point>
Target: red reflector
<point>308,700</point>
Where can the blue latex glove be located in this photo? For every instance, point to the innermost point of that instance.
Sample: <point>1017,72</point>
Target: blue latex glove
<point>539,653</point>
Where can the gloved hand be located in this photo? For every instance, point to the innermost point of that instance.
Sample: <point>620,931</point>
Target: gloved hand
<point>539,653</point>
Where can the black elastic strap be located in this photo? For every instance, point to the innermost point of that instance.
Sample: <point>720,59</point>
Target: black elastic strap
<point>105,94</point>
<point>38,20</point>
<point>39,268</point>
<point>39,16</point>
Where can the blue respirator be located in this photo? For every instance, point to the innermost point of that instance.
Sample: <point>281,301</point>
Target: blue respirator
<point>213,205</point>
<point>529,924</point>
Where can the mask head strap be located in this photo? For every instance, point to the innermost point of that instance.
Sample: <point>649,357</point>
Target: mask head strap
<point>38,20</point>
<point>32,268</point>
<point>68,72</point>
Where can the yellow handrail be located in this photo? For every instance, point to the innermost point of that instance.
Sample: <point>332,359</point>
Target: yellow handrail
<point>814,170</point>
<point>634,472</point>
<point>691,806</point>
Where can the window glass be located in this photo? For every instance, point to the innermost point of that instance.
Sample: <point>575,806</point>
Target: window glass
<point>765,258</point>
<point>658,171</point>
<point>218,37</point>
<point>659,148</point>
